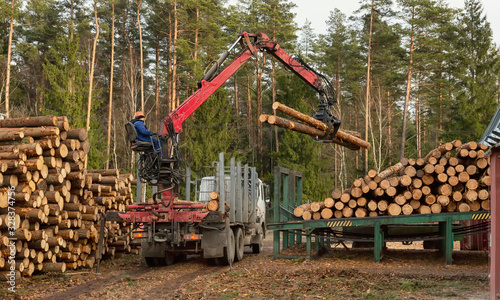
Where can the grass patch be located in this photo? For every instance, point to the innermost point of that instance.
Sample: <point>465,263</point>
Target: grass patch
<point>413,286</point>
<point>240,274</point>
<point>231,295</point>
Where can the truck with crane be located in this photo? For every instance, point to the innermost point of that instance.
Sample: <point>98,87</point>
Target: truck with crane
<point>168,228</point>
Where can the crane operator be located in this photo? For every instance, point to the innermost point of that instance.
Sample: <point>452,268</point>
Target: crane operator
<point>143,133</point>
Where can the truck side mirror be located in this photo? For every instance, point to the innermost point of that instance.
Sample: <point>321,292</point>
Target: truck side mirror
<point>267,194</point>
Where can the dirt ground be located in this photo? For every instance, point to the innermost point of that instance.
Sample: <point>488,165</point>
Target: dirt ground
<point>406,272</point>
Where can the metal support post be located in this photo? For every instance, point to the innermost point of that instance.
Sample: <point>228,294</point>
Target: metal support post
<point>495,223</point>
<point>286,202</point>
<point>308,245</point>
<point>291,205</point>
<point>448,250</point>
<point>298,195</point>
<point>378,241</point>
<point>188,184</point>
<point>138,193</point>
<point>276,212</point>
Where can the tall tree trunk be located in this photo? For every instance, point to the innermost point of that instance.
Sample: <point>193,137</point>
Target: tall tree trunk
<point>389,126</point>
<point>9,58</point>
<point>339,109</point>
<point>236,100</point>
<point>367,98</point>
<point>114,144</point>
<point>273,83</point>
<point>157,87</point>
<point>356,159</point>
<point>170,106</point>
<point>259,74</point>
<point>407,97</point>
<point>196,33</point>
<point>273,78</point>
<point>419,121</point>
<point>122,84</point>
<point>72,21</point>
<point>249,112</point>
<point>71,83</point>
<point>91,76</point>
<point>133,104</point>
<point>111,75</point>
<point>141,52</point>
<point>440,126</point>
<point>175,101</point>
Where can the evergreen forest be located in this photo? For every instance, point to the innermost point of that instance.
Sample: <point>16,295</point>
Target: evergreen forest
<point>409,75</point>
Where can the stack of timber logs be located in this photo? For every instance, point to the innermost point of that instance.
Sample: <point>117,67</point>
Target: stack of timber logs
<point>213,204</point>
<point>112,191</point>
<point>454,177</point>
<point>48,202</point>
<point>315,128</point>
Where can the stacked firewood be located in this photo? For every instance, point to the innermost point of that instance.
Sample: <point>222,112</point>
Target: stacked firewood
<point>112,192</point>
<point>454,177</point>
<point>48,202</point>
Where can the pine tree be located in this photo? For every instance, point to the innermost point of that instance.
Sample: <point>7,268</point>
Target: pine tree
<point>422,38</point>
<point>476,72</point>
<point>210,132</point>
<point>307,40</point>
<point>337,55</point>
<point>67,79</point>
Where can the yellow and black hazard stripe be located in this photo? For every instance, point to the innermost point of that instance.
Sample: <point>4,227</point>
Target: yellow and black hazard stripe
<point>339,223</point>
<point>481,216</point>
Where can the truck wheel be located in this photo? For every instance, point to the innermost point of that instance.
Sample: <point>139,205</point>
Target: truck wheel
<point>150,261</point>
<point>239,244</point>
<point>169,258</point>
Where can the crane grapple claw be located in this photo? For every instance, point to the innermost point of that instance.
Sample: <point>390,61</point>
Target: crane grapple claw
<point>324,115</point>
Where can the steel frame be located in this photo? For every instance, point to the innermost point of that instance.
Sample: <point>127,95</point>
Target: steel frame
<point>495,233</point>
<point>318,229</point>
<point>287,195</point>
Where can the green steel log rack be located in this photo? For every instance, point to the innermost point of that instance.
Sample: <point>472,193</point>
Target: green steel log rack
<point>443,228</point>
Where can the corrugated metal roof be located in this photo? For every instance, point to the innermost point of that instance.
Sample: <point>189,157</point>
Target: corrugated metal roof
<point>491,136</point>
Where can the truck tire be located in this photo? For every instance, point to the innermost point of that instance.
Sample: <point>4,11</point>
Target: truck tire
<point>151,261</point>
<point>169,258</point>
<point>239,244</point>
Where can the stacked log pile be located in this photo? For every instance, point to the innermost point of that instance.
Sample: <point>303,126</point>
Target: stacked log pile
<point>48,201</point>
<point>112,191</point>
<point>454,177</point>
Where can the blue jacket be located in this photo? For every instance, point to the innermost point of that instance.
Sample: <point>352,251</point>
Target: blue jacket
<point>143,134</point>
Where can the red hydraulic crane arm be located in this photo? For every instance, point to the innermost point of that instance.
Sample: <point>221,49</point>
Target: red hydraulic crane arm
<point>260,42</point>
<point>191,104</point>
<point>297,68</point>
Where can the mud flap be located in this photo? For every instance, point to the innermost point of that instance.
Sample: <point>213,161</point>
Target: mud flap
<point>213,243</point>
<point>259,236</point>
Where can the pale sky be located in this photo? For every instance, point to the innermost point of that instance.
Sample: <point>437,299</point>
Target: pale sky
<point>318,11</point>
